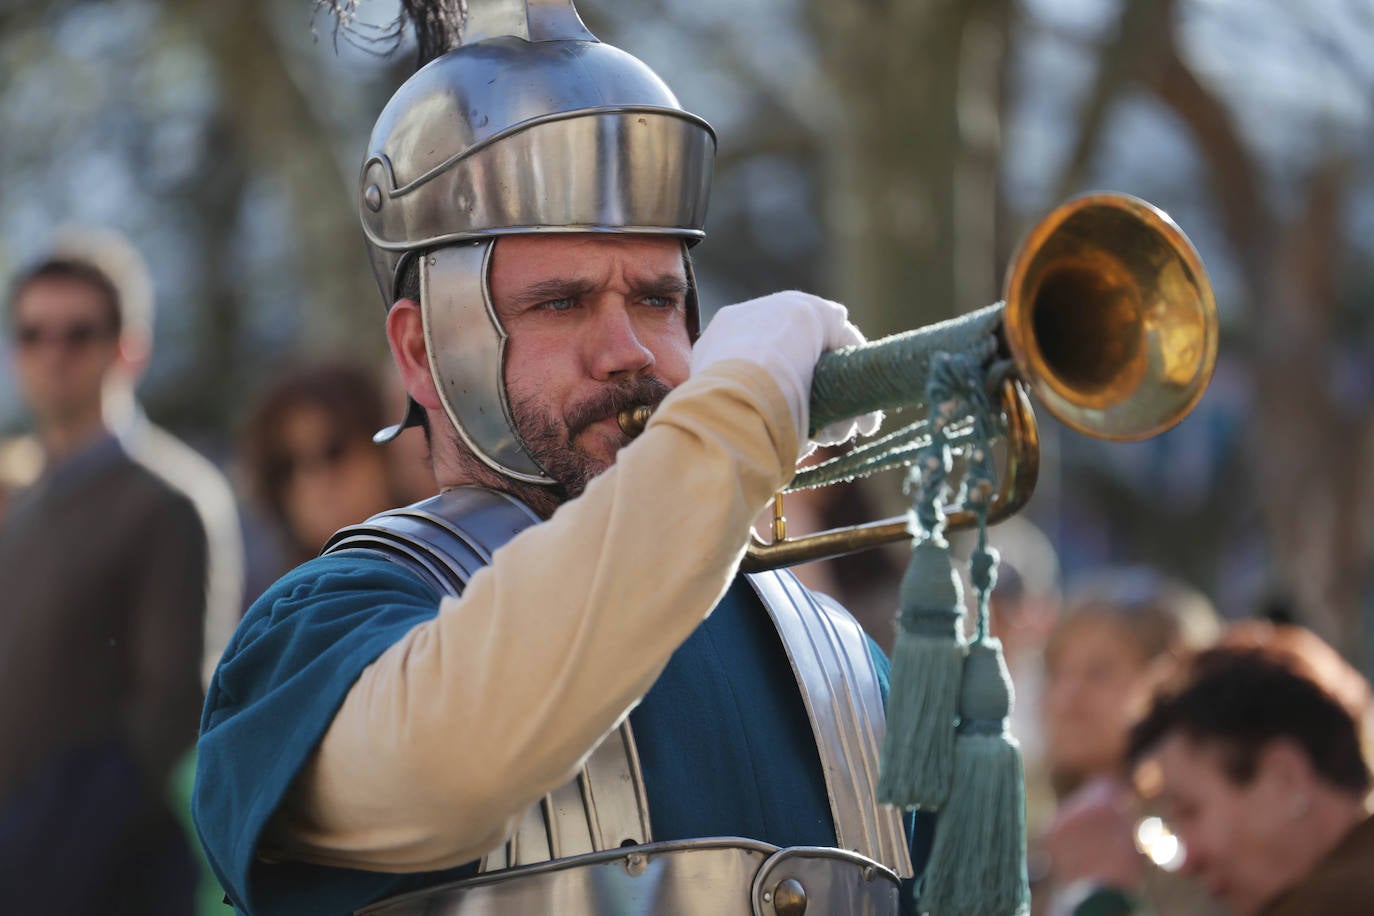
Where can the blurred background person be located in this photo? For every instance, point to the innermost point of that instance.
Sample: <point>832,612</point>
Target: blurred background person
<point>176,463</point>
<point>1258,765</point>
<point>1309,655</point>
<point>1101,839</point>
<point>1116,623</point>
<point>102,565</point>
<point>309,459</point>
<point>181,466</point>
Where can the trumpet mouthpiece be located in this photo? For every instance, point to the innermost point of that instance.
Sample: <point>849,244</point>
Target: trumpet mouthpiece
<point>632,420</point>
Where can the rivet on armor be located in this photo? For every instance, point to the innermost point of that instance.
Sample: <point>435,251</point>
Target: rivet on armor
<point>372,196</point>
<point>789,898</point>
<point>635,863</point>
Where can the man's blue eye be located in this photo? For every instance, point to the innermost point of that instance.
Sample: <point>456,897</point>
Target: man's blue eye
<point>558,305</point>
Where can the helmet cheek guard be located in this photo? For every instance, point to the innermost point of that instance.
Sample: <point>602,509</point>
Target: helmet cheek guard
<point>467,356</point>
<point>502,136</point>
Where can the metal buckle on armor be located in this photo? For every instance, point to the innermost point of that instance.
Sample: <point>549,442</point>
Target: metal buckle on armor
<point>818,880</point>
<point>725,876</point>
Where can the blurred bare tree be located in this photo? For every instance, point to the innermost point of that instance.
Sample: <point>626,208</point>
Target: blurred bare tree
<point>1302,331</point>
<point>233,154</point>
<point>912,154</point>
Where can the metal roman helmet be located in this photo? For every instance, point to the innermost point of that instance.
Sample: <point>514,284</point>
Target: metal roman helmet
<point>529,125</point>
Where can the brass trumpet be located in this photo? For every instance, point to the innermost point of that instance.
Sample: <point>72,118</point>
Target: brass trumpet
<point>1107,316</point>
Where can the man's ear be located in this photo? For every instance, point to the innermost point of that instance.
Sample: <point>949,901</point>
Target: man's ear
<point>406,334</point>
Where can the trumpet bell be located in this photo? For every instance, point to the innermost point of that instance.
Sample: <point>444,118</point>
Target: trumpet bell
<point>1110,317</point>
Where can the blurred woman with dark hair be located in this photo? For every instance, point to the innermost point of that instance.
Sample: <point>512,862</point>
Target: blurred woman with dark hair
<point>309,457</point>
<point>1116,627</point>
<point>1115,624</point>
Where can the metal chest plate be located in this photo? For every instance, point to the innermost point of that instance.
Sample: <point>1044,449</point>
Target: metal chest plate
<point>591,837</point>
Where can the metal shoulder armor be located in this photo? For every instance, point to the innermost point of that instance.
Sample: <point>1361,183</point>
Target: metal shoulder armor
<point>590,840</point>
<point>444,540</point>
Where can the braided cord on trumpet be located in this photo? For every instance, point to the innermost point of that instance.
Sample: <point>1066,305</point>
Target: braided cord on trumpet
<point>897,449</point>
<point>889,451</point>
<point>978,862</point>
<point>884,376</point>
<point>918,755</point>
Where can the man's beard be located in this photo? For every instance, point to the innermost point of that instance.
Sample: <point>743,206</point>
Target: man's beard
<point>551,441</point>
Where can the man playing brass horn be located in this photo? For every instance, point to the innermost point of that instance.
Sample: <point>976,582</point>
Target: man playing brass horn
<point>547,689</point>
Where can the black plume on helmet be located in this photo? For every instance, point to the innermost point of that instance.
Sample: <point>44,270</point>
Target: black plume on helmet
<point>438,26</point>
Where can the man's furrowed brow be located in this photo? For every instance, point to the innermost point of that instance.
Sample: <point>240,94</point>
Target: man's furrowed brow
<point>555,288</point>
<point>577,287</point>
<point>661,285</point>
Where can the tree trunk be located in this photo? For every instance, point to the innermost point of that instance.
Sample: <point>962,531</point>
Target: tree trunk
<point>912,168</point>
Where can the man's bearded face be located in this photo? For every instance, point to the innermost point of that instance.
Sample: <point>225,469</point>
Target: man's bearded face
<point>596,324</point>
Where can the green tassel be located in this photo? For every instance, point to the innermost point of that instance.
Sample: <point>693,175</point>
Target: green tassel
<point>978,863</point>
<point>927,662</point>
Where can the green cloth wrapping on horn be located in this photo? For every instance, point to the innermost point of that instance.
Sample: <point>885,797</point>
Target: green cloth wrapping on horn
<point>886,374</point>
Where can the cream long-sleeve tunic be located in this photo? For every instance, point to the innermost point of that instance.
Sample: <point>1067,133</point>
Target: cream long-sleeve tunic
<point>456,725</point>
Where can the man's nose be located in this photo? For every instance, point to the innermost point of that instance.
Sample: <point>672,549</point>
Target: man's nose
<point>617,347</point>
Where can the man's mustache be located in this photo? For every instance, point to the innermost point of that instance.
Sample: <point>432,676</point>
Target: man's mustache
<point>611,401</point>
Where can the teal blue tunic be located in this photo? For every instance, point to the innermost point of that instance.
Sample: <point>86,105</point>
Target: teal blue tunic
<point>723,738</point>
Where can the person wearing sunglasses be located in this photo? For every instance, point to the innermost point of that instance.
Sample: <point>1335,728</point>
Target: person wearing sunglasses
<point>180,465</point>
<point>66,343</point>
<point>102,569</point>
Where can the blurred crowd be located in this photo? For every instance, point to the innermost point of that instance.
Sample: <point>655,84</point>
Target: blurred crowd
<point>127,559</point>
<point>1176,763</point>
<point>1182,763</point>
